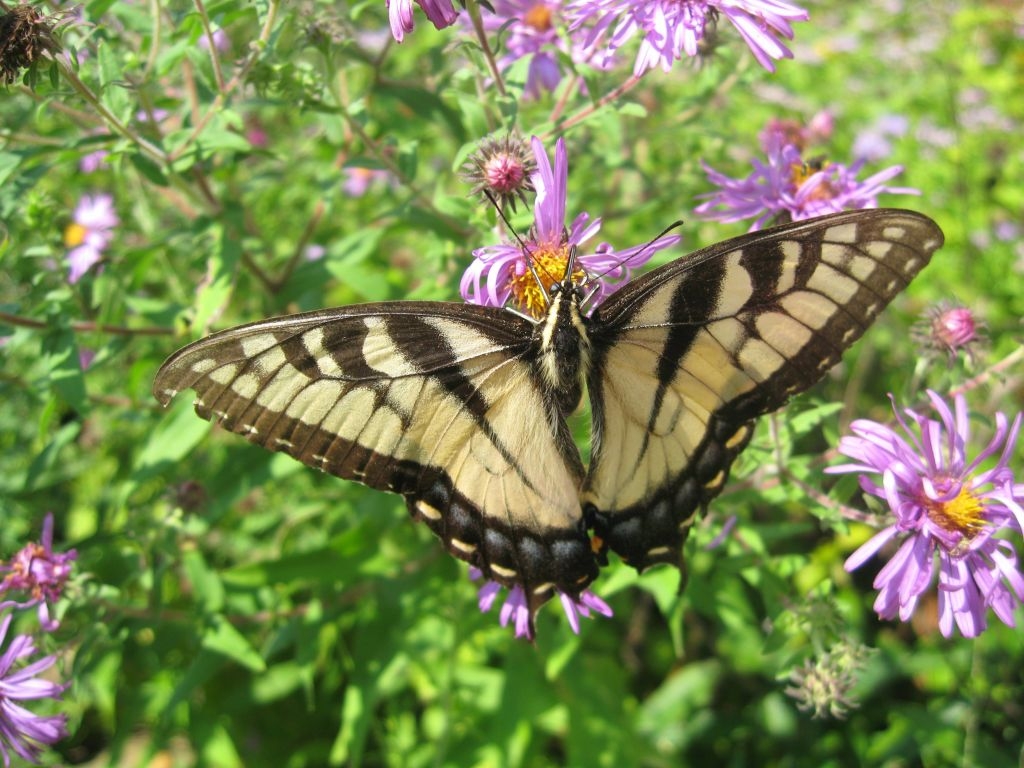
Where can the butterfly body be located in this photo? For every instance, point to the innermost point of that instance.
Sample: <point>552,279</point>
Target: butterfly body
<point>462,409</point>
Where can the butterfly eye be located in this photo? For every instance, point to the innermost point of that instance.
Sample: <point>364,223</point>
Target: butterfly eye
<point>555,289</point>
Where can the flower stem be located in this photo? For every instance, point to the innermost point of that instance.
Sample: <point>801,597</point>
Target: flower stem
<point>214,58</point>
<point>155,153</point>
<point>473,8</point>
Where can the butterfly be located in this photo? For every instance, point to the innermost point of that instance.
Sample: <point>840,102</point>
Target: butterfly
<point>462,409</point>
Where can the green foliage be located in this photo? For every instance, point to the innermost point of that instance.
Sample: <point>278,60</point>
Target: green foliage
<point>234,608</point>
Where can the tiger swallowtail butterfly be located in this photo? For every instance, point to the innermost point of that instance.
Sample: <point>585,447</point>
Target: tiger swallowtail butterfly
<point>462,409</point>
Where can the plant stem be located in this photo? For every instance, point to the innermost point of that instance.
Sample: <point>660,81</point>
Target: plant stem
<point>87,327</point>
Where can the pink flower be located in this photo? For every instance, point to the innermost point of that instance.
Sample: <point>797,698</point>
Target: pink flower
<point>40,573</point>
<point>949,329</point>
<point>358,180</point>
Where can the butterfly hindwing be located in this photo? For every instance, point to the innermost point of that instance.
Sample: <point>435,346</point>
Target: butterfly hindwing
<point>438,402</point>
<point>685,357</point>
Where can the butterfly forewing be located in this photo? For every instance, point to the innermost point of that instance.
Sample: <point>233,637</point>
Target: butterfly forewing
<point>688,355</point>
<point>437,402</point>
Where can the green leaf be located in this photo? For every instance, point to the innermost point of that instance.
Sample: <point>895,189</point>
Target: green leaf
<point>112,91</point>
<point>148,169</point>
<point>60,357</point>
<point>172,439</point>
<point>215,289</point>
<point>221,636</point>
<point>206,584</point>
<point>9,163</point>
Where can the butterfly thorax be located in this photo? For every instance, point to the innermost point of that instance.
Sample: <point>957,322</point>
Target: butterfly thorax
<point>564,346</point>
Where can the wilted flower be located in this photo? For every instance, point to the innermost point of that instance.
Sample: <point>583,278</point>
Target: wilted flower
<point>500,273</point>
<point>89,233</point>
<point>949,329</point>
<point>502,168</point>
<point>440,12</point>
<point>22,732</point>
<point>672,28</point>
<point>823,685</point>
<point>40,573</point>
<point>946,509</point>
<point>516,611</point>
<point>25,34</point>
<point>789,188</point>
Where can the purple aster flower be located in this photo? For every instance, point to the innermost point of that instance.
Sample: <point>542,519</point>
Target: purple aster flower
<point>314,252</point>
<point>93,161</point>
<point>516,611</point>
<point>40,573</point>
<point>530,28</point>
<point>671,28</point>
<point>500,273</point>
<point>221,41</point>
<point>21,732</point>
<point>441,14</point>
<point>788,188</point>
<point>89,233</point>
<point>947,509</point>
<point>152,117</point>
<point>874,143</point>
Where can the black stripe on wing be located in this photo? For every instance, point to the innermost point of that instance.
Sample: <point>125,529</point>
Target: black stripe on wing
<point>735,330</point>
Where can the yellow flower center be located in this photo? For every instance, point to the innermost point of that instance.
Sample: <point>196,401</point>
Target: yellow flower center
<point>550,264</point>
<point>539,17</point>
<point>961,514</point>
<point>74,235</point>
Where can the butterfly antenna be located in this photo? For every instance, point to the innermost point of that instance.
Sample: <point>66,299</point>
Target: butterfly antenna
<point>530,260</point>
<point>650,243</point>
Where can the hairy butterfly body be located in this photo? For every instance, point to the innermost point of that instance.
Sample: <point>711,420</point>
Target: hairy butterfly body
<point>462,409</point>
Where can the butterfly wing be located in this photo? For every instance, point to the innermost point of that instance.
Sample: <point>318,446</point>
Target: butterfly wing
<point>687,356</point>
<point>437,402</point>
